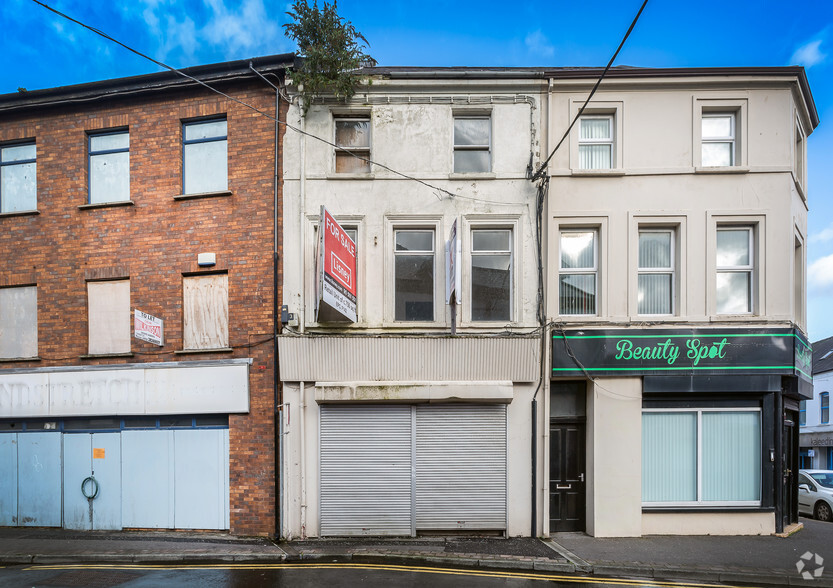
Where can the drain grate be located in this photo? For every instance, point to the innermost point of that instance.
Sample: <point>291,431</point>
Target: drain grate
<point>89,579</point>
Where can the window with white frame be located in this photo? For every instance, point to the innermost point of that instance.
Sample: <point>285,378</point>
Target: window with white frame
<point>414,270</point>
<point>595,142</point>
<point>735,266</point>
<point>352,139</point>
<point>578,272</point>
<point>655,284</point>
<point>472,144</point>
<point>718,130</point>
<point>18,177</point>
<point>109,167</point>
<point>799,153</point>
<point>205,156</point>
<point>491,275</point>
<point>108,308</point>
<point>205,312</point>
<point>18,322</point>
<point>701,457</point>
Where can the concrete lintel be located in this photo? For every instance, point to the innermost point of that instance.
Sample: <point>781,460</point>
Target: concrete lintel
<point>497,392</point>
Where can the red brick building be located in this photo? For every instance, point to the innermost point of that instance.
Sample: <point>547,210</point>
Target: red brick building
<point>123,203</point>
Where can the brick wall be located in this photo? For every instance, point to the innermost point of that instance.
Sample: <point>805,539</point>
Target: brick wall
<point>154,242</point>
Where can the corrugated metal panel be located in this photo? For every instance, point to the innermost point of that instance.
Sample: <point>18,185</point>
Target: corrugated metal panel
<point>333,359</point>
<point>460,467</point>
<point>8,479</point>
<point>365,470</point>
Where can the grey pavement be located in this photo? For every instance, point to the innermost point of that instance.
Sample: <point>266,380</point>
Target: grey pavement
<point>756,561</point>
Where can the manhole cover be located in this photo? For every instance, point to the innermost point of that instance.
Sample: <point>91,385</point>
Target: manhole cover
<point>89,579</point>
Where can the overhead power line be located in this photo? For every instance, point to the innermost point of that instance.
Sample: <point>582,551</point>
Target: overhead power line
<point>542,169</point>
<point>242,103</point>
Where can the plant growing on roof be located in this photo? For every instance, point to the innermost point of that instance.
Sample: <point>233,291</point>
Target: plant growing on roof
<point>332,50</point>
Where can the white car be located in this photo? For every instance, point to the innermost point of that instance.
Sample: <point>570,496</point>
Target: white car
<point>815,494</point>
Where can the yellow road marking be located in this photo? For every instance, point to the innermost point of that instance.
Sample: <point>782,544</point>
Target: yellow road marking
<point>384,567</point>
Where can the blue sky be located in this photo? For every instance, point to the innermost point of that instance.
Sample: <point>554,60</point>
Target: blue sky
<point>42,50</point>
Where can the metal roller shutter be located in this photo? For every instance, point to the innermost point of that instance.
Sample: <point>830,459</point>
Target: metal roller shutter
<point>460,467</point>
<point>365,470</point>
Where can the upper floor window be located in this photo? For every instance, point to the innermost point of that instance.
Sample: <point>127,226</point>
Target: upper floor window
<point>205,311</point>
<point>735,265</point>
<point>656,272</point>
<point>18,322</point>
<point>352,145</point>
<point>578,272</point>
<point>718,137</point>
<point>802,413</point>
<point>205,156</point>
<point>109,167</point>
<point>18,172</point>
<point>595,142</point>
<point>825,407</point>
<point>472,144</point>
<point>414,275</point>
<point>798,162</point>
<point>108,305</point>
<point>491,275</point>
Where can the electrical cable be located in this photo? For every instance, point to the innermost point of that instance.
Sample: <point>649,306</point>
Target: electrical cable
<point>541,170</point>
<point>242,103</point>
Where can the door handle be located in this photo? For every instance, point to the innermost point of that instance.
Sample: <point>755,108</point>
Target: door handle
<point>581,477</point>
<point>565,487</point>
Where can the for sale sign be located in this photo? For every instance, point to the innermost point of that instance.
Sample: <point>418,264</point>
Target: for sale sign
<point>147,328</point>
<point>337,271</point>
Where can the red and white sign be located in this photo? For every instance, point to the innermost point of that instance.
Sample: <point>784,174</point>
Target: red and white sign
<point>147,328</point>
<point>337,273</point>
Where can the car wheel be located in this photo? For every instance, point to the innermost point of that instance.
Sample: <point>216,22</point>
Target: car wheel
<point>823,512</point>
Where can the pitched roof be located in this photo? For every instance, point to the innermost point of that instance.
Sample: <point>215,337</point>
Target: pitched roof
<point>823,356</point>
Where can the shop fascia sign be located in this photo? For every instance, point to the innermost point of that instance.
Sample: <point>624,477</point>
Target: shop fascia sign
<point>336,272</point>
<point>680,351</point>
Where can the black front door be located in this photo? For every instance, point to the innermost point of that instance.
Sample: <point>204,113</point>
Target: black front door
<point>790,507</point>
<point>567,475</point>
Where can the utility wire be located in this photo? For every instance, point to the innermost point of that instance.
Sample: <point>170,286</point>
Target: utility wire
<point>242,103</point>
<point>541,170</point>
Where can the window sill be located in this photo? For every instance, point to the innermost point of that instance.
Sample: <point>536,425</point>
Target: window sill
<point>19,359</point>
<point>196,351</point>
<point>735,318</point>
<point>105,355</point>
<point>733,169</point>
<point>337,176</point>
<point>678,509</point>
<point>20,213</point>
<point>106,204</point>
<point>598,173</point>
<point>221,193</point>
<point>472,176</point>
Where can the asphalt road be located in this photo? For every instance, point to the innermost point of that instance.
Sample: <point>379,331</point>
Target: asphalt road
<point>294,576</point>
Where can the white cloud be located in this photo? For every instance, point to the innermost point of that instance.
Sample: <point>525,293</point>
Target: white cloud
<point>538,44</point>
<point>826,234</point>
<point>248,28</point>
<point>820,275</point>
<point>809,54</point>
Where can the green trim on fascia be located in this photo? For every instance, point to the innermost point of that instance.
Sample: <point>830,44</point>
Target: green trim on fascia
<point>681,368</point>
<point>624,336</point>
<point>804,373</point>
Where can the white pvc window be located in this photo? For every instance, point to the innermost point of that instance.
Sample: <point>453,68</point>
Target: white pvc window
<point>18,178</point>
<point>353,145</point>
<point>578,272</point>
<point>414,275</point>
<point>595,142</point>
<point>718,136</point>
<point>655,294</point>
<point>472,144</point>
<point>735,265</point>
<point>706,457</point>
<point>205,156</point>
<point>109,167</point>
<point>491,275</point>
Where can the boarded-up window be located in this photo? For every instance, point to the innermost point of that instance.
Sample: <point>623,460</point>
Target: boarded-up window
<point>205,311</point>
<point>19,322</point>
<point>109,316</point>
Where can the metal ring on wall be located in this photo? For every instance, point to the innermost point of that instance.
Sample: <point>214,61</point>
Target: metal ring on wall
<point>84,487</point>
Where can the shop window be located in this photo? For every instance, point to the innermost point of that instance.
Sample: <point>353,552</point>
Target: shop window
<point>701,458</point>
<point>578,273</point>
<point>205,156</point>
<point>491,275</point>
<point>414,270</point>
<point>18,177</point>
<point>205,312</point>
<point>108,307</point>
<point>18,322</point>
<point>109,167</point>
